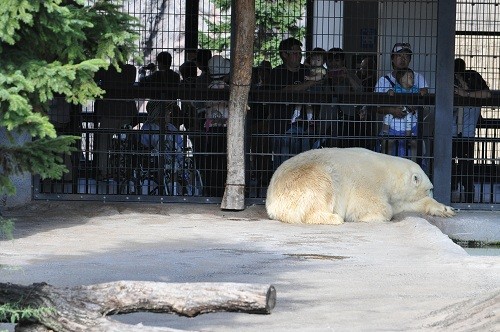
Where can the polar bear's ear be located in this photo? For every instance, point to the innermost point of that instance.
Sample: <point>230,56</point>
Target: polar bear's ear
<point>416,179</point>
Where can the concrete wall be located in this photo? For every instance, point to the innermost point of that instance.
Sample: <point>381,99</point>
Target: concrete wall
<point>328,24</point>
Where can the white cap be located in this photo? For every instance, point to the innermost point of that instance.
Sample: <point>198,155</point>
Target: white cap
<point>401,48</point>
<point>218,66</point>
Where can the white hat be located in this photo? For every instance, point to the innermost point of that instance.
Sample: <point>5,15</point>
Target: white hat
<point>218,66</point>
<point>401,48</point>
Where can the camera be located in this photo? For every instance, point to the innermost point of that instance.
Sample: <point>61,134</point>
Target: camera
<point>151,67</point>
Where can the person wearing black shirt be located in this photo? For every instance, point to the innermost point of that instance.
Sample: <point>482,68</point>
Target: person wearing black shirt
<point>468,84</point>
<point>288,77</point>
<point>164,76</point>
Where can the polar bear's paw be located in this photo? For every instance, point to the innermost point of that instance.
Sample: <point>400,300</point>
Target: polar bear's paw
<point>442,211</point>
<point>325,218</point>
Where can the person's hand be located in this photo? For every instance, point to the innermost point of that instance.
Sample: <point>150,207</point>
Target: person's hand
<point>313,78</point>
<point>338,73</point>
<point>363,113</point>
<point>461,92</point>
<point>343,72</point>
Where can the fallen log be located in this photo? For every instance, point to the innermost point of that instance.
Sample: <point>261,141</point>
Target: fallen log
<point>85,308</point>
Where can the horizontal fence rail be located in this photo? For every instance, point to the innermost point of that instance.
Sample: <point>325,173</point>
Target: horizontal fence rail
<point>175,159</point>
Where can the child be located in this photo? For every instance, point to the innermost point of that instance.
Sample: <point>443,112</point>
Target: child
<point>317,72</point>
<point>406,126</point>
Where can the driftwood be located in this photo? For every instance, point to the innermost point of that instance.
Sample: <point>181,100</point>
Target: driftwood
<point>241,76</point>
<point>84,308</point>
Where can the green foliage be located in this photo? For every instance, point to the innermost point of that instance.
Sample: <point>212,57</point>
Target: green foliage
<point>43,156</point>
<point>223,4</point>
<point>275,20</point>
<point>52,47</point>
<point>14,312</point>
<point>6,228</point>
<point>218,35</point>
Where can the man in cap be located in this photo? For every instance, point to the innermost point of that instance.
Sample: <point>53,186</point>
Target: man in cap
<point>400,58</point>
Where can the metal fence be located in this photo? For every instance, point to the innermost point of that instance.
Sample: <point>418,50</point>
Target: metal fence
<point>157,143</point>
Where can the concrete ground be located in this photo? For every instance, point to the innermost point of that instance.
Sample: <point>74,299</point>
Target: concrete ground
<point>405,275</point>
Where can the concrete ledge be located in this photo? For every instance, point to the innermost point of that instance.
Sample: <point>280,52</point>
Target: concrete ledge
<point>481,226</point>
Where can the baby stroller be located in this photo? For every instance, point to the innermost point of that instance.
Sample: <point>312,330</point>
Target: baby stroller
<point>137,155</point>
<point>169,161</point>
<point>166,157</point>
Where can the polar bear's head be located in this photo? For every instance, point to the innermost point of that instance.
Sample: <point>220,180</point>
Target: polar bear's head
<point>416,183</point>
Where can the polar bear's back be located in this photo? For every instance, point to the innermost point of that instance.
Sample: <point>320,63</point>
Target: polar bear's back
<point>292,189</point>
<point>330,186</point>
<point>355,161</point>
<point>325,185</point>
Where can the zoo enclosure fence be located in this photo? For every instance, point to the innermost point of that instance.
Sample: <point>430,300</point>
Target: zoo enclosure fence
<point>112,165</point>
<point>135,162</point>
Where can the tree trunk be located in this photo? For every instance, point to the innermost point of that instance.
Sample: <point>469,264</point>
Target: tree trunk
<point>241,77</point>
<point>84,308</point>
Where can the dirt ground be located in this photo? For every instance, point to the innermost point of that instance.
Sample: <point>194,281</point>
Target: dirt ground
<point>405,275</point>
<point>95,225</point>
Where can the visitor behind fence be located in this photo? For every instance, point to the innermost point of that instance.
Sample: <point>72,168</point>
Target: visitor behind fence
<point>401,54</point>
<point>201,82</point>
<point>339,121</point>
<point>469,84</point>
<point>113,114</point>
<point>188,118</point>
<point>402,127</point>
<point>260,74</point>
<point>367,127</point>
<point>161,75</point>
<point>213,161</point>
<point>316,72</point>
<point>165,150</point>
<point>367,73</point>
<point>202,57</point>
<point>400,59</point>
<point>289,135</point>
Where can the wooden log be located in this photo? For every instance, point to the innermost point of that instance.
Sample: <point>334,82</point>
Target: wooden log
<point>84,308</point>
<point>241,77</point>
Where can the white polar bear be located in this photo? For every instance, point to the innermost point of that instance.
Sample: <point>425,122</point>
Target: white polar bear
<point>333,185</point>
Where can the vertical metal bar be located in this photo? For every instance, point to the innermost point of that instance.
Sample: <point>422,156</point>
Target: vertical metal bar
<point>309,24</point>
<point>444,100</point>
<point>191,33</point>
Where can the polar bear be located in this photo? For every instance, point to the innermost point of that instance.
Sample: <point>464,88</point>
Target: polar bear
<point>333,185</point>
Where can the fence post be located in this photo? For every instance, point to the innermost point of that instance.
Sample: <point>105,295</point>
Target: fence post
<point>444,101</point>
